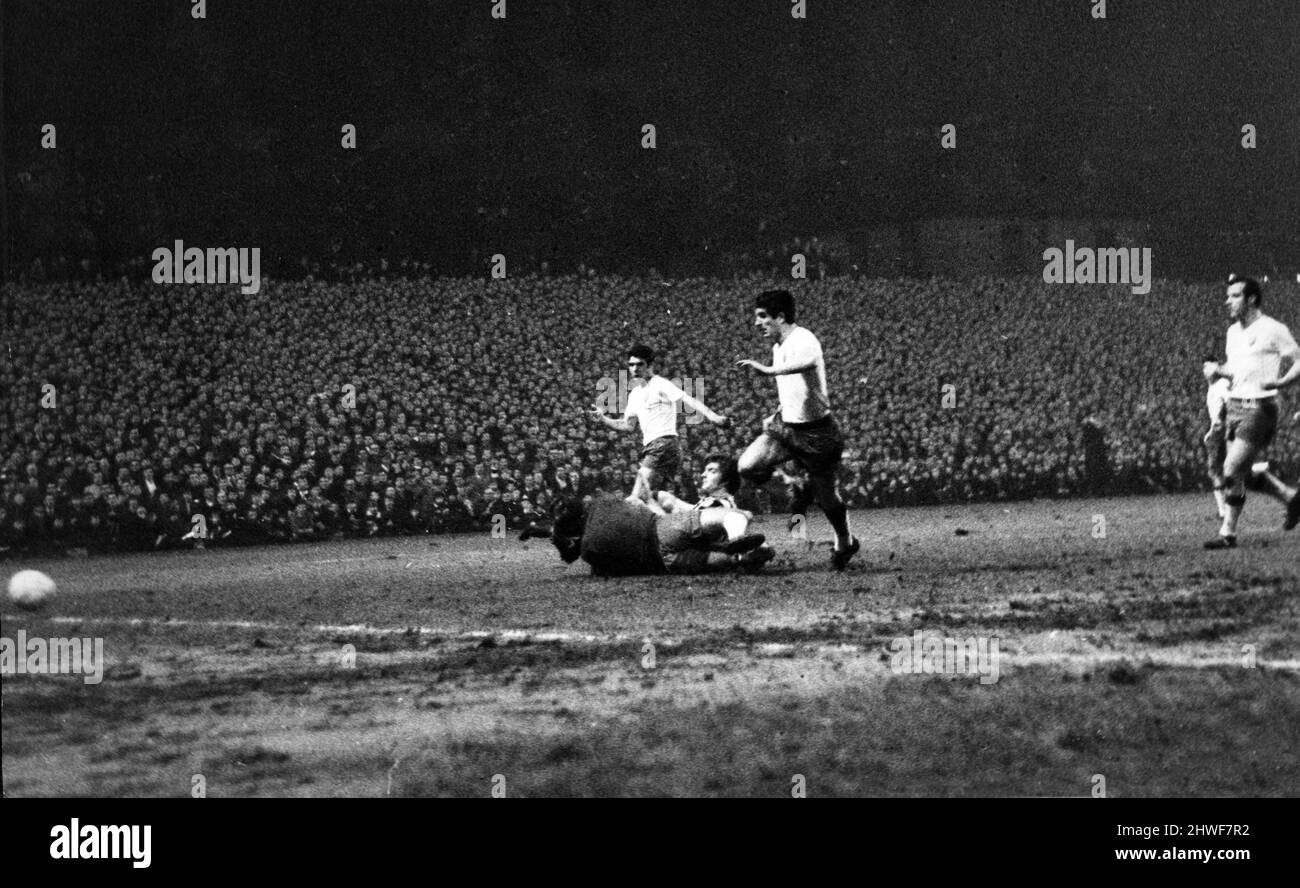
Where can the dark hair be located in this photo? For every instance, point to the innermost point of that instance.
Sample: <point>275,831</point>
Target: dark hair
<point>570,522</point>
<point>1252,287</point>
<point>776,302</point>
<point>729,469</point>
<point>644,352</point>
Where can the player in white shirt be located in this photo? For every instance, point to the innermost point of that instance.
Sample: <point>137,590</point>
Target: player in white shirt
<point>1216,449</point>
<point>804,429</point>
<point>653,406</point>
<point>1259,350</point>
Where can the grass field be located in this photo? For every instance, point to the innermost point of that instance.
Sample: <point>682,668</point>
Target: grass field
<point>448,666</point>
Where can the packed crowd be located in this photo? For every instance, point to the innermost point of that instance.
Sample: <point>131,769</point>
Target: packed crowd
<point>144,416</point>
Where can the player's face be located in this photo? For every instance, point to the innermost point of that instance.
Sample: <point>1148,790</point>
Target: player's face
<point>765,322</point>
<point>638,369</point>
<point>711,478</point>
<point>1236,301</point>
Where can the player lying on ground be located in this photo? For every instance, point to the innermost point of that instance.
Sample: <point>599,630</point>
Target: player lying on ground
<point>1261,477</point>
<point>804,429</point>
<point>653,406</point>
<point>1258,349</point>
<point>719,481</point>
<point>621,538</point>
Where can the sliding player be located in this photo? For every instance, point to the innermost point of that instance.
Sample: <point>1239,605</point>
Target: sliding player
<point>620,537</point>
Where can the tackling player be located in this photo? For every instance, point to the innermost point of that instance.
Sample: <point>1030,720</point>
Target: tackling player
<point>719,482</point>
<point>628,537</point>
<point>653,406</point>
<point>803,430</point>
<point>1258,348</point>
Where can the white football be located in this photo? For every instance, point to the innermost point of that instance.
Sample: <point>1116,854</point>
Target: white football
<point>30,588</point>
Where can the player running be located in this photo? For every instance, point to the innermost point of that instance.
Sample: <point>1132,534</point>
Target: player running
<point>653,406</point>
<point>1216,448</point>
<point>1258,347</point>
<point>803,430</point>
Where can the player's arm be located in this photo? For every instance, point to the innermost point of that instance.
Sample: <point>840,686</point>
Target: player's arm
<point>796,366</point>
<point>797,360</point>
<point>1291,354</point>
<point>647,504</point>
<point>1213,371</point>
<point>670,503</point>
<point>699,407</point>
<point>626,424</point>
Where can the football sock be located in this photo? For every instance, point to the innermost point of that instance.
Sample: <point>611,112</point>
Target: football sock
<point>1235,503</point>
<point>838,516</point>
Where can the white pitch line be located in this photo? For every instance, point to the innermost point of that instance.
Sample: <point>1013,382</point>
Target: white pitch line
<point>369,558</point>
<point>355,628</point>
<point>770,649</point>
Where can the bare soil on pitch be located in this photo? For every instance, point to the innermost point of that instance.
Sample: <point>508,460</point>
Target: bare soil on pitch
<point>428,665</point>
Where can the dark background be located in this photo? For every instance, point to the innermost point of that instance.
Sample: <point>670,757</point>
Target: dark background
<point>478,136</point>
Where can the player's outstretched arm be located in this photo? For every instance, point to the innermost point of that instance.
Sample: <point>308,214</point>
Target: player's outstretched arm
<point>670,503</point>
<point>700,407</point>
<point>621,425</point>
<point>798,366</point>
<point>652,505</point>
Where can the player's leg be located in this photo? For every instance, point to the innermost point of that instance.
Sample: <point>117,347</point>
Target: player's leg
<point>824,485</point>
<point>819,449</point>
<point>1216,451</point>
<point>660,461</point>
<point>761,458</point>
<point>801,497</point>
<point>698,561</point>
<point>731,525</point>
<point>643,487</point>
<point>1263,480</point>
<point>1236,467</point>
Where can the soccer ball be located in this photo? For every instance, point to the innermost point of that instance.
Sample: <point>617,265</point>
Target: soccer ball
<point>29,589</point>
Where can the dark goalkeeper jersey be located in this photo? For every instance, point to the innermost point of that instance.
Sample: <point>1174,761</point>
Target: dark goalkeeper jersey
<point>621,539</point>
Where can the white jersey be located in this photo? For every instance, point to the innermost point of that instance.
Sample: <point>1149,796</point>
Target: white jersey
<point>655,407</point>
<point>1255,356</point>
<point>803,395</point>
<point>1216,399</point>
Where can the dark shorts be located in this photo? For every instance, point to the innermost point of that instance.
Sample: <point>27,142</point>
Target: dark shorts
<point>816,446</point>
<point>663,457</point>
<point>683,545</point>
<point>1252,421</point>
